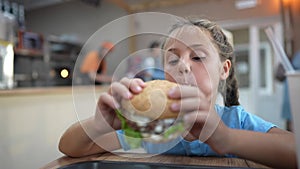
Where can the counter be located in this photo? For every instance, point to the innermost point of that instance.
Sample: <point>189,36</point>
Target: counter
<point>50,90</point>
<point>33,119</point>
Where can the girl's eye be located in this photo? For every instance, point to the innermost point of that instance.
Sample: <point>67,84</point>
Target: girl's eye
<point>198,58</point>
<point>173,61</point>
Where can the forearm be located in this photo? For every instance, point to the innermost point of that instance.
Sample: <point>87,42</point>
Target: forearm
<point>103,78</point>
<point>275,149</point>
<point>84,138</point>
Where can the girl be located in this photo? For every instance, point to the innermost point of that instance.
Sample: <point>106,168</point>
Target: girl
<point>199,57</point>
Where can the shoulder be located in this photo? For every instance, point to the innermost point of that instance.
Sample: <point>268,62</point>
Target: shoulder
<point>230,111</point>
<point>92,54</point>
<point>232,116</point>
<point>91,57</point>
<point>237,117</point>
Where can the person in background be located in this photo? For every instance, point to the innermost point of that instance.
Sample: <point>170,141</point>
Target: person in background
<point>152,64</point>
<point>158,72</point>
<point>199,57</point>
<point>286,108</point>
<point>94,65</point>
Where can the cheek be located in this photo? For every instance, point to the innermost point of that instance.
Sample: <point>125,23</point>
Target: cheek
<point>207,79</point>
<point>207,86</point>
<point>170,73</point>
<point>209,82</point>
<point>204,81</point>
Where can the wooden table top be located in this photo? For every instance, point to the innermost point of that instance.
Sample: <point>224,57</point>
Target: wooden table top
<point>163,159</point>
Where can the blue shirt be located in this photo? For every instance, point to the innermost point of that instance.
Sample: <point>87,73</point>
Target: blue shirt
<point>234,117</point>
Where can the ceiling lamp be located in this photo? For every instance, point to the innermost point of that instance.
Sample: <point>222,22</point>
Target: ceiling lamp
<point>245,4</point>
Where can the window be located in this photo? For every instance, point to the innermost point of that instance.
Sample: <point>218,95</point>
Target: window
<point>243,67</point>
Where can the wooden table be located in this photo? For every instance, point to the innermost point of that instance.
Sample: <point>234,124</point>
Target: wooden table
<point>164,159</point>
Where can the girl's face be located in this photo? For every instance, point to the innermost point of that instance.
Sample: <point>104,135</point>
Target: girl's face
<point>191,59</point>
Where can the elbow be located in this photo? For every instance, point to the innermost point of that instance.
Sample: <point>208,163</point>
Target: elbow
<point>64,148</point>
<point>70,150</point>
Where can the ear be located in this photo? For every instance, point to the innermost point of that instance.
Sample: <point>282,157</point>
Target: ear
<point>225,69</point>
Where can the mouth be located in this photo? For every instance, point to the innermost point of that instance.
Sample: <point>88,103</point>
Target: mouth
<point>186,80</point>
<point>187,83</point>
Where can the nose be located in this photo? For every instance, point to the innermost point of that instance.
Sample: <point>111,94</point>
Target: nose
<point>184,67</point>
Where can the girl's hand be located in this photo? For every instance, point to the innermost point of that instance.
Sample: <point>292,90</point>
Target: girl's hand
<point>110,101</point>
<point>203,121</point>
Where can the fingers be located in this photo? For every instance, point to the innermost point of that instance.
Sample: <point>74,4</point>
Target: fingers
<point>108,100</point>
<point>194,122</point>
<point>125,89</point>
<point>192,99</point>
<point>117,89</point>
<point>126,86</point>
<point>184,91</point>
<point>195,116</point>
<point>105,115</point>
<point>134,85</point>
<point>190,104</point>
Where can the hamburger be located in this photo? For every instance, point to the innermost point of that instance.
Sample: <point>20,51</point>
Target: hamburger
<point>147,116</point>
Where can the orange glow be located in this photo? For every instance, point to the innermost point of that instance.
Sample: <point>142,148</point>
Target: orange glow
<point>287,2</point>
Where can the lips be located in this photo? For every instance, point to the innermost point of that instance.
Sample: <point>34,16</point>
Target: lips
<point>188,81</point>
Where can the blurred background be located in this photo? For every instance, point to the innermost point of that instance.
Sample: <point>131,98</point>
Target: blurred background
<point>40,41</point>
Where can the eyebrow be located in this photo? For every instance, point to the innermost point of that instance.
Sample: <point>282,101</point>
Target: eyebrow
<point>172,50</point>
<point>191,47</point>
<point>196,45</point>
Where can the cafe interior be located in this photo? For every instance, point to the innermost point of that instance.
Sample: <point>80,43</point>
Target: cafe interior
<point>43,42</point>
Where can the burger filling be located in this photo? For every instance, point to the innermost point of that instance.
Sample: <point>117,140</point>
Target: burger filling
<point>160,130</point>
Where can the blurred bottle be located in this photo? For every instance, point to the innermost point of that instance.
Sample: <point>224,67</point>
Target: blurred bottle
<point>21,17</point>
<point>10,24</point>
<point>2,22</point>
<point>14,9</point>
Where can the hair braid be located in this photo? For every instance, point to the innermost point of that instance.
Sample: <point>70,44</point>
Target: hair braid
<point>231,95</point>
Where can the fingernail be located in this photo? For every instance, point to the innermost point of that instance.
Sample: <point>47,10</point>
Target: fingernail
<point>186,118</point>
<point>172,91</point>
<point>175,106</point>
<point>138,88</point>
<point>128,95</point>
<point>142,83</point>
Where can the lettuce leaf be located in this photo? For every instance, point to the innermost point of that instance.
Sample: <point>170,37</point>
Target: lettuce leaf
<point>173,129</point>
<point>132,137</point>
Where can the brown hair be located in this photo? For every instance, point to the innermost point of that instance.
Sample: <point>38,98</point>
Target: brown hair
<point>228,88</point>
